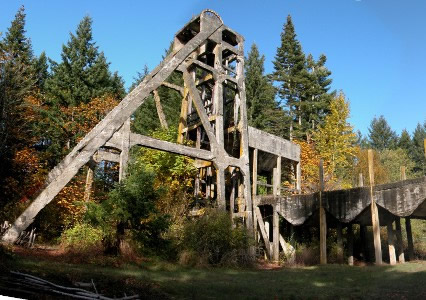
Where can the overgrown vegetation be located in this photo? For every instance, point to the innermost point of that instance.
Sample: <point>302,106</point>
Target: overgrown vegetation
<point>212,239</point>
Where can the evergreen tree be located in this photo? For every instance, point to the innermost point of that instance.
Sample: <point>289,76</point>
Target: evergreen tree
<point>145,119</point>
<point>418,151</point>
<point>404,141</point>
<point>291,74</point>
<point>83,73</point>
<point>15,43</point>
<point>361,140</point>
<point>316,97</point>
<point>16,84</point>
<point>41,70</point>
<point>381,136</point>
<point>260,93</point>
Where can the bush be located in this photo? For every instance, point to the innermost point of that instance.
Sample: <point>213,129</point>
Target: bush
<point>212,237</point>
<point>131,207</point>
<point>82,238</point>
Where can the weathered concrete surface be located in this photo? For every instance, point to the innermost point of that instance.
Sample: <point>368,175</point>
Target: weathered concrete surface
<point>273,144</point>
<point>402,199</point>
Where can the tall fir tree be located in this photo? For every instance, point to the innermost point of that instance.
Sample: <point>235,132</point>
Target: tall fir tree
<point>17,82</point>
<point>262,109</point>
<point>316,97</point>
<point>381,136</point>
<point>41,69</point>
<point>418,152</point>
<point>291,75</point>
<point>83,74</point>
<point>404,141</point>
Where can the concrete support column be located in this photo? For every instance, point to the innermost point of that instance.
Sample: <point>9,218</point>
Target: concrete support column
<point>392,255</point>
<point>363,238</point>
<point>399,246</point>
<point>339,243</point>
<point>350,237</point>
<point>409,239</point>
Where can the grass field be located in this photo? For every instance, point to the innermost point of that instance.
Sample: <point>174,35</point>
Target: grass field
<point>160,280</point>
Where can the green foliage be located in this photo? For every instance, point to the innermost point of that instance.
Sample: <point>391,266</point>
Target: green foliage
<point>262,110</point>
<point>404,141</point>
<point>381,136</point>
<point>392,161</point>
<point>303,84</point>
<point>16,85</point>
<point>131,206</point>
<point>82,238</point>
<point>418,151</point>
<point>145,119</point>
<point>212,236</point>
<point>83,73</point>
<point>335,138</point>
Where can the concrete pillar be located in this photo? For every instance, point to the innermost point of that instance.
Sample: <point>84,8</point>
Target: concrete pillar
<point>363,238</point>
<point>409,239</point>
<point>392,255</point>
<point>350,237</point>
<point>399,246</point>
<point>339,243</point>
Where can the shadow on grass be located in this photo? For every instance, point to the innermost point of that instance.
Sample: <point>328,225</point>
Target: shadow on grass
<point>156,279</point>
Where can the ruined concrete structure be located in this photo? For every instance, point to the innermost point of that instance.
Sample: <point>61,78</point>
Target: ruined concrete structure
<point>228,153</point>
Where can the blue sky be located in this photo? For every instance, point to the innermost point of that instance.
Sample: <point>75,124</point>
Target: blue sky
<point>376,49</point>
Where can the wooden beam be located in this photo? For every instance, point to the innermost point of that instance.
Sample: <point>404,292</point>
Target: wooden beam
<point>125,148</point>
<point>107,156</point>
<point>269,143</point>
<point>265,236</point>
<point>399,245</point>
<point>160,112</point>
<point>360,180</point>
<point>183,115</point>
<point>299,177</point>
<point>323,219</point>
<point>254,164</point>
<point>278,177</point>
<point>175,87</point>
<point>391,244</point>
<point>402,171</point>
<point>89,184</point>
<point>374,212</point>
<point>276,233</point>
<point>200,109</point>
<point>146,141</point>
<point>220,186</point>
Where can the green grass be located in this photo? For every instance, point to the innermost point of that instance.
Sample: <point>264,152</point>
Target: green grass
<point>156,280</point>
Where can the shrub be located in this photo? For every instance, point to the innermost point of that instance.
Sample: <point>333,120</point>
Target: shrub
<point>131,207</point>
<point>213,237</point>
<point>82,238</point>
